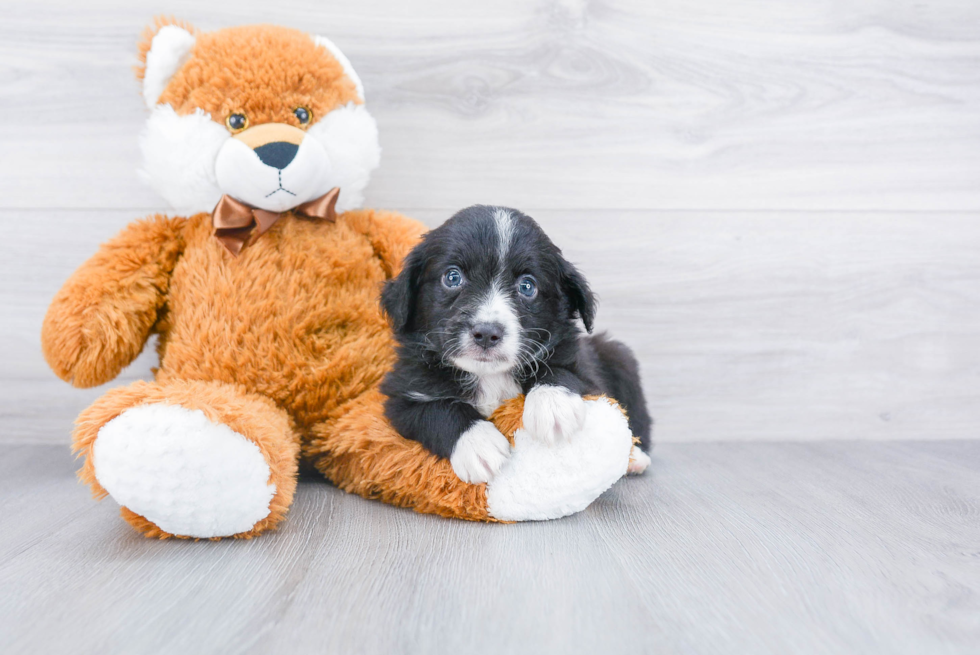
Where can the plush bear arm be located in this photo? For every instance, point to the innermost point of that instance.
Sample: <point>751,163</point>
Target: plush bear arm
<point>101,318</point>
<point>391,235</point>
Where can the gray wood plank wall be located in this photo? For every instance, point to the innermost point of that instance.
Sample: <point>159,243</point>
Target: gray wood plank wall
<point>777,202</point>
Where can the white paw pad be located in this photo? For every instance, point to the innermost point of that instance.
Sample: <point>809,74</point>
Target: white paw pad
<point>480,453</point>
<point>553,414</point>
<point>190,476</point>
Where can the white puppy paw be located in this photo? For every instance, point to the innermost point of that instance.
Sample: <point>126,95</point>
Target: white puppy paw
<point>639,461</point>
<point>553,414</point>
<point>480,453</point>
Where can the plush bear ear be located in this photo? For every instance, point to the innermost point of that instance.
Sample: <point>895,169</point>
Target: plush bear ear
<point>344,61</point>
<point>163,51</point>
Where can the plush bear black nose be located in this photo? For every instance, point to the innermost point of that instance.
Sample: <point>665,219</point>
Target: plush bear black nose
<point>277,154</point>
<point>487,335</point>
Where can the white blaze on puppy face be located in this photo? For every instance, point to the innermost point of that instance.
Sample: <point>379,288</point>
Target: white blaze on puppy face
<point>504,223</point>
<point>497,306</point>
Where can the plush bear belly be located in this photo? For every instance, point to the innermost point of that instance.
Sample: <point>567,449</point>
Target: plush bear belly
<point>294,317</point>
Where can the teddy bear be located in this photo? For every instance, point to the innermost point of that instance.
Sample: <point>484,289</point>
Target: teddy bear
<point>262,289</point>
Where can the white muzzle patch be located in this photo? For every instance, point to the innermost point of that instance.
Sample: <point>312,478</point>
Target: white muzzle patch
<point>496,308</point>
<point>244,176</point>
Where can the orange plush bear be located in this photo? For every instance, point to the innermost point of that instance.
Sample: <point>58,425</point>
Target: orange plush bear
<point>265,301</point>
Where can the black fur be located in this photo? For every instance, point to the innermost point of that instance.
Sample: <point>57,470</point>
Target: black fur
<point>432,401</point>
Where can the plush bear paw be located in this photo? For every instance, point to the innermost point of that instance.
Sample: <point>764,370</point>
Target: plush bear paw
<point>543,481</point>
<point>553,414</point>
<point>480,453</point>
<point>189,476</point>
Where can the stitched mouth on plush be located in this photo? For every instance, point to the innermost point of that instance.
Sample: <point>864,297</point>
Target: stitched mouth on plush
<point>274,176</point>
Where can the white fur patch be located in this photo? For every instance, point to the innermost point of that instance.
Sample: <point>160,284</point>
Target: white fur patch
<point>242,175</point>
<point>504,223</point>
<point>349,136</point>
<point>179,153</point>
<point>343,60</point>
<point>169,50</point>
<point>480,453</point>
<point>495,308</point>
<point>550,481</point>
<point>639,461</point>
<point>493,389</point>
<point>553,414</point>
<point>190,476</point>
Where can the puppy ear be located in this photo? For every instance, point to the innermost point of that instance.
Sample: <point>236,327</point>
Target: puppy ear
<point>399,294</point>
<point>580,296</point>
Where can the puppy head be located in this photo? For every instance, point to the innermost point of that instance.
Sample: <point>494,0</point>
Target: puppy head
<point>271,116</point>
<point>487,292</point>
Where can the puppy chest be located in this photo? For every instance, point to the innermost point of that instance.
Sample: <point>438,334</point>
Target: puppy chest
<point>493,390</point>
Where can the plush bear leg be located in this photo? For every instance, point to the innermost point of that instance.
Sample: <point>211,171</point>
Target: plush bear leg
<point>190,459</point>
<point>361,453</point>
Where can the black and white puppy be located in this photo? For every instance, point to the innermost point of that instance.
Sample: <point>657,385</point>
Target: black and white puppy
<point>486,308</point>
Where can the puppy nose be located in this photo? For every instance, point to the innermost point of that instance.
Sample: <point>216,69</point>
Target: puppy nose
<point>487,335</point>
<point>277,154</point>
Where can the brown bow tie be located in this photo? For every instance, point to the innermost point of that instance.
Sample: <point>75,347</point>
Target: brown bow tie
<point>237,225</point>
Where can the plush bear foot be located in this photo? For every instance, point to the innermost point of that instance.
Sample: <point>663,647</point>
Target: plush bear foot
<point>187,475</point>
<point>190,459</point>
<point>546,481</point>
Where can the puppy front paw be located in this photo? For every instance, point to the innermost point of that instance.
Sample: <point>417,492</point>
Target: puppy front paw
<point>480,453</point>
<point>552,413</point>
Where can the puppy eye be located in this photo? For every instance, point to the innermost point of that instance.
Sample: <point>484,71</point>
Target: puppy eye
<point>236,122</point>
<point>452,279</point>
<point>303,115</point>
<point>527,287</point>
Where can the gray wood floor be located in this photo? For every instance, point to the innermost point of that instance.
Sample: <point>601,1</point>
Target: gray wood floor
<point>842,547</point>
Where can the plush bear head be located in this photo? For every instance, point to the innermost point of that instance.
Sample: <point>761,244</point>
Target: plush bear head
<point>270,116</point>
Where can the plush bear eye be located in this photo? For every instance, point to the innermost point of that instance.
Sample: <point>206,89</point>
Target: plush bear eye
<point>303,115</point>
<point>453,278</point>
<point>527,287</point>
<point>236,122</point>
